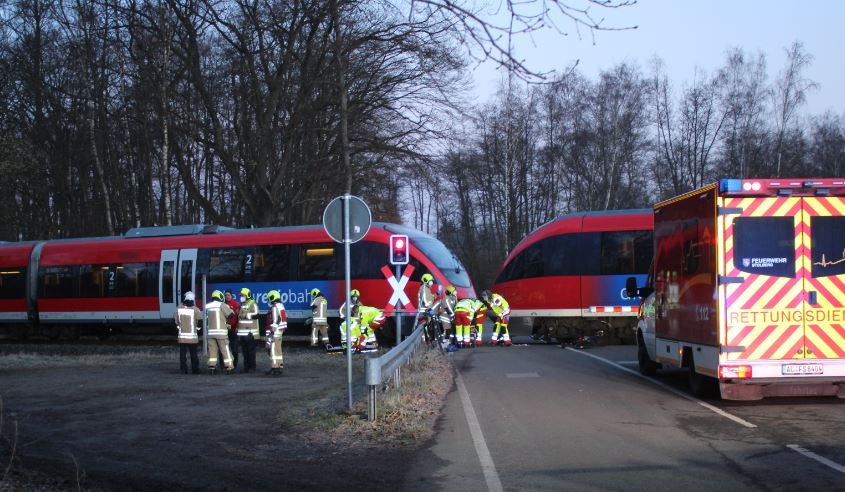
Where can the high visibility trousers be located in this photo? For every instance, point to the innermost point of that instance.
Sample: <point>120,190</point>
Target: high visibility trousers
<point>276,359</point>
<point>221,346</point>
<point>319,334</point>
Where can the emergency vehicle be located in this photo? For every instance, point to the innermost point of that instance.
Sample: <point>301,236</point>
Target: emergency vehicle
<point>747,288</point>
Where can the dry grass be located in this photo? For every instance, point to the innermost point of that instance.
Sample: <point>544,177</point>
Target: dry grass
<point>32,360</point>
<point>405,414</point>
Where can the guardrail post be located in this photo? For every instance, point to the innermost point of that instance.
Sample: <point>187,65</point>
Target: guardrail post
<point>372,406</point>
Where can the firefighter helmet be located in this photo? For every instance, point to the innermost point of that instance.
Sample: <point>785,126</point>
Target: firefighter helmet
<point>426,278</point>
<point>354,293</point>
<point>245,292</point>
<point>217,295</point>
<point>450,290</point>
<point>189,296</point>
<point>273,296</point>
<point>315,292</point>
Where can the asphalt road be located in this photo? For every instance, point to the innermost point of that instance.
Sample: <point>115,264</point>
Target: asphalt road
<point>539,417</point>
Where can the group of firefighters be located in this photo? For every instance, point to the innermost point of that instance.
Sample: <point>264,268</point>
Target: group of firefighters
<point>231,322</point>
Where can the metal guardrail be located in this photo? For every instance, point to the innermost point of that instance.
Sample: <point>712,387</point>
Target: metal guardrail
<point>378,369</point>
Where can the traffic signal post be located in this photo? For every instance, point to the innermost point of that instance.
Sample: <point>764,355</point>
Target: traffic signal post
<point>399,255</point>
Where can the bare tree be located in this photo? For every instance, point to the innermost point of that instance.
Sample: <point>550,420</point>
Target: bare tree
<point>789,93</point>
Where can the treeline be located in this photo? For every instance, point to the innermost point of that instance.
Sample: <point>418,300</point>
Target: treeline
<point>122,113</point>
<point>625,140</point>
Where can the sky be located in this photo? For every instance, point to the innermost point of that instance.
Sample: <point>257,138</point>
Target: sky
<point>695,34</point>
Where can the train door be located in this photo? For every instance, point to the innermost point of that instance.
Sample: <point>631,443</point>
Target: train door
<point>177,272</point>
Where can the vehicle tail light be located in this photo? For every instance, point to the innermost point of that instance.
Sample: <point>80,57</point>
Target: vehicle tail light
<point>735,372</point>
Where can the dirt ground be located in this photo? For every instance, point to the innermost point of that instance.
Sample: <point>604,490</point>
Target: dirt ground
<point>93,419</point>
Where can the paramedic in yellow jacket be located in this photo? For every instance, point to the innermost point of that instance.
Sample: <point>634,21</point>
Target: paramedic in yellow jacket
<point>464,314</point>
<point>217,313</point>
<point>188,319</point>
<point>370,319</point>
<point>355,334</point>
<point>502,310</point>
<point>277,323</point>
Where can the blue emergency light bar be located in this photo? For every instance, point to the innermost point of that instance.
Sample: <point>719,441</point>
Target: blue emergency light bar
<point>781,187</point>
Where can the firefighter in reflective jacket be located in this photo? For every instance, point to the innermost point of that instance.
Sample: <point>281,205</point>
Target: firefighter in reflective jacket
<point>319,319</point>
<point>217,312</point>
<point>354,300</point>
<point>426,298</point>
<point>248,330</point>
<point>188,319</point>
<point>502,310</point>
<point>444,309</point>
<point>277,323</point>
<point>479,312</point>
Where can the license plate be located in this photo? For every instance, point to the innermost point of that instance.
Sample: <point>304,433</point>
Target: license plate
<point>801,369</point>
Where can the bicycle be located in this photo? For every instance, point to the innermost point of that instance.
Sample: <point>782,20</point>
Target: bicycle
<point>433,333</point>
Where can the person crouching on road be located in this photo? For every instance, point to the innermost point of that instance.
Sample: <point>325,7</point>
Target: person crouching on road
<point>217,313</point>
<point>464,313</point>
<point>355,333</point>
<point>188,318</point>
<point>248,329</point>
<point>502,311</point>
<point>319,319</point>
<point>370,319</point>
<point>277,322</point>
<point>480,310</point>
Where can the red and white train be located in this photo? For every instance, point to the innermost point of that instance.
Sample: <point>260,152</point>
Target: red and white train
<point>101,285</point>
<point>567,277</point>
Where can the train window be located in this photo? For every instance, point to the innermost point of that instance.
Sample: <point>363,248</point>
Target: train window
<point>828,246</point>
<point>135,280</point>
<point>562,254</point>
<point>367,258</point>
<point>443,259</point>
<point>12,282</point>
<point>228,265</point>
<point>57,281</point>
<point>167,294</point>
<point>186,276</point>
<point>625,252</point>
<point>93,280</point>
<point>272,263</point>
<point>319,262</point>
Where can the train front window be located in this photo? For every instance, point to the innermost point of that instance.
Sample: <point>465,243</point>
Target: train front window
<point>443,259</point>
<point>12,282</point>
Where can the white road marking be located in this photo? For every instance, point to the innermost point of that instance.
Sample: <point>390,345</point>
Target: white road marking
<point>821,459</point>
<point>669,389</point>
<point>487,465</point>
<point>521,375</point>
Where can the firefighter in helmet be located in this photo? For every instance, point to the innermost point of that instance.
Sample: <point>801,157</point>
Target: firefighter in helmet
<point>248,329</point>
<point>277,323</point>
<point>500,308</point>
<point>354,300</point>
<point>444,309</point>
<point>188,318</point>
<point>464,318</point>
<point>217,313</point>
<point>319,319</point>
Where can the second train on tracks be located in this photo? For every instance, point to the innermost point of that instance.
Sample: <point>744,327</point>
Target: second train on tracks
<point>566,279</point>
<point>130,283</point>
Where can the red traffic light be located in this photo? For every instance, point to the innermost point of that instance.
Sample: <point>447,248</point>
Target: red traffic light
<point>399,249</point>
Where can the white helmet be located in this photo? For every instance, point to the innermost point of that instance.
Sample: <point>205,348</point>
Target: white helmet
<point>189,296</point>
